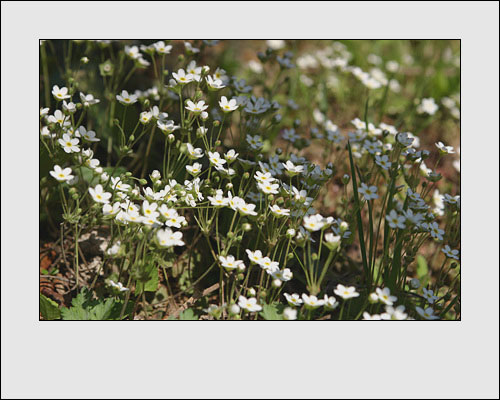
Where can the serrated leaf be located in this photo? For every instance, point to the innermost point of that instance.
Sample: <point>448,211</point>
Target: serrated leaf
<point>102,311</point>
<point>49,308</point>
<point>74,314</point>
<point>272,312</point>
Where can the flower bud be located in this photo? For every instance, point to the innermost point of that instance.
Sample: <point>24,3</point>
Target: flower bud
<point>290,233</point>
<point>171,138</point>
<point>345,179</point>
<point>277,283</point>
<point>296,123</point>
<point>373,298</point>
<point>217,143</point>
<point>143,181</point>
<point>415,283</point>
<point>246,227</point>
<point>146,103</point>
<point>75,196</point>
<point>132,138</point>
<point>84,60</point>
<point>234,309</point>
<point>216,123</point>
<point>251,292</point>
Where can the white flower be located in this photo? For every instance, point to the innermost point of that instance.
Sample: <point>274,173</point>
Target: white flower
<point>228,106</point>
<point>44,111</point>
<point>183,78</point>
<point>69,107</point>
<point>279,212</point>
<point>331,302</point>
<point>392,313</point>
<point>384,295</point>
<point>125,98</point>
<point>167,126</point>
<point>88,135</point>
<point>435,232</point>
<point>194,153</point>
<point>219,200</point>
<point>99,195</point>
<point>427,106</point>
<point>214,83</point>
<point>312,301</point>
<point>190,48</point>
<point>118,286</point>
<point>247,209</point>
<point>292,169</point>
<point>168,238</point>
<point>230,262</point>
<point>276,44</point>
<point>145,117</point>
<point>346,292</point>
<point>196,108</point>
<point>332,241</point>
<point>445,149</point>
<point>368,317</point>
<point>249,305</point>
<point>116,183</point>
<point>231,155</point>
<point>313,222</point>
<point>108,209</point>
<point>428,313</point>
<point>383,161</point>
<point>194,169</point>
<point>62,175</point>
<point>404,139</point>
<point>69,145</point>
<point>254,256</point>
<point>283,275</point>
<point>255,142</point>
<point>148,209</point>
<point>88,100</point>
<point>264,177</point>
<point>234,201</point>
<point>268,265</point>
<point>268,188</point>
<point>294,299</point>
<point>289,314</point>
<point>216,160</point>
<point>161,48</point>
<point>395,220</point>
<point>368,192</point>
<point>60,94</point>
<point>449,252</point>
<point>132,52</point>
<point>429,296</point>
<point>175,221</point>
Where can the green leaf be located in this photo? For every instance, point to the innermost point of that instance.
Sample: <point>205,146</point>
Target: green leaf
<point>74,314</point>
<point>49,308</point>
<point>422,269</point>
<point>188,315</point>
<point>272,312</point>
